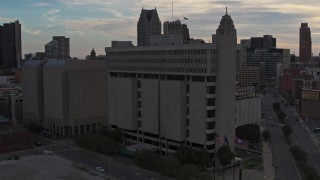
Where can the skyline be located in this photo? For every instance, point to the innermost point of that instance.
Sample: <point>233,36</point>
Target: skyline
<point>95,23</point>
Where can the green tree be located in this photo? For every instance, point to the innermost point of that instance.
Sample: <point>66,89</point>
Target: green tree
<point>186,155</point>
<point>225,156</point>
<point>266,135</point>
<point>287,130</point>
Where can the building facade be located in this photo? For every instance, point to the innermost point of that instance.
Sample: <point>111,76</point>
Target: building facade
<point>67,97</point>
<point>58,48</point>
<point>148,25</point>
<point>10,45</point>
<point>248,111</point>
<point>173,95</point>
<point>305,43</point>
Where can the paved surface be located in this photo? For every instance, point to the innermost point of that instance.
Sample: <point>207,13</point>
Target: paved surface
<point>282,159</point>
<point>113,168</point>
<point>39,167</point>
<point>303,137</point>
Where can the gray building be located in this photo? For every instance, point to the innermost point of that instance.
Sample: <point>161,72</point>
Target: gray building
<point>169,95</point>
<point>32,86</point>
<point>58,48</point>
<point>10,45</point>
<point>248,111</point>
<point>74,95</point>
<point>148,25</point>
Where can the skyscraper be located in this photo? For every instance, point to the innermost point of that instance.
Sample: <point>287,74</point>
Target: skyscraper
<point>58,48</point>
<point>10,45</point>
<point>305,43</point>
<point>149,24</point>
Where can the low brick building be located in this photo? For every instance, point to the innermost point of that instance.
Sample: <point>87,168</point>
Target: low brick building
<point>14,138</point>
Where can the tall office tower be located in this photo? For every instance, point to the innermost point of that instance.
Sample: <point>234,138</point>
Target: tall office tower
<point>173,27</point>
<point>265,42</point>
<point>185,32</point>
<point>305,43</point>
<point>173,94</point>
<point>10,45</point>
<point>58,48</point>
<point>149,24</point>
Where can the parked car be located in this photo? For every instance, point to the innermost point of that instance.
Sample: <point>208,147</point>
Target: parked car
<point>100,169</point>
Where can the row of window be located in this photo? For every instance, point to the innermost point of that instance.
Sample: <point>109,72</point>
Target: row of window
<point>163,52</point>
<point>156,60</point>
<point>162,69</point>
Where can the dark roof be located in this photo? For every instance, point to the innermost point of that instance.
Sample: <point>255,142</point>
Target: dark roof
<point>149,13</point>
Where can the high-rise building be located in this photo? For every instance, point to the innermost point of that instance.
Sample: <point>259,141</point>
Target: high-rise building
<point>148,25</point>
<point>58,48</point>
<point>305,43</point>
<point>265,42</point>
<point>173,94</point>
<point>10,45</point>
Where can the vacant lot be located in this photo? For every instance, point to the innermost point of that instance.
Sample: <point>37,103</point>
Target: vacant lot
<point>42,167</point>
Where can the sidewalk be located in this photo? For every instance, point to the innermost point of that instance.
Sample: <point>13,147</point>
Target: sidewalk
<point>314,139</point>
<point>267,160</point>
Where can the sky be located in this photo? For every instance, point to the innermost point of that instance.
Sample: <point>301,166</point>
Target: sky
<point>95,23</point>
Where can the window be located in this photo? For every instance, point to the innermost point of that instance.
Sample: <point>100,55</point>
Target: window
<point>187,111</point>
<point>211,102</point>
<point>139,123</point>
<point>139,94</point>
<point>139,104</point>
<point>139,84</point>
<point>139,114</point>
<point>187,133</point>
<point>211,113</point>
<point>211,90</point>
<point>211,79</point>
<point>187,122</point>
<point>210,137</point>
<point>211,125</point>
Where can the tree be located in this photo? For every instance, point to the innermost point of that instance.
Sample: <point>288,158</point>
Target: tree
<point>266,135</point>
<point>225,156</point>
<point>287,130</point>
<point>186,155</point>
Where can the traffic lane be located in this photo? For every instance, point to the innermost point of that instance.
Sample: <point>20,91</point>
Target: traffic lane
<point>113,169</point>
<point>313,156</point>
<point>282,159</point>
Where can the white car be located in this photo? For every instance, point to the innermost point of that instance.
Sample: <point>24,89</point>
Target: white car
<point>99,169</point>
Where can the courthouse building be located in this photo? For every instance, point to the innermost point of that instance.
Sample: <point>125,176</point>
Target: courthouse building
<point>175,94</point>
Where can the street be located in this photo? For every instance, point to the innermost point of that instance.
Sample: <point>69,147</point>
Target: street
<point>283,161</point>
<point>91,160</point>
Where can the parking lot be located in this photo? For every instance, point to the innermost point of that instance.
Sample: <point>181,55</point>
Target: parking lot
<point>41,167</point>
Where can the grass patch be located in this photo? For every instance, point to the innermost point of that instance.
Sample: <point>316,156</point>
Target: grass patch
<point>253,164</point>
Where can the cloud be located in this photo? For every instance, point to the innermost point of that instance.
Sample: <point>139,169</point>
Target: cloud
<point>7,20</point>
<point>32,32</point>
<point>51,12</point>
<point>77,33</point>
<point>40,4</point>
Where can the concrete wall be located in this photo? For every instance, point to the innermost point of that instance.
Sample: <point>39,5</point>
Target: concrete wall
<point>248,111</point>
<point>122,95</point>
<point>53,93</point>
<point>32,86</point>
<point>197,120</point>
<point>150,106</point>
<point>86,96</point>
<point>172,110</point>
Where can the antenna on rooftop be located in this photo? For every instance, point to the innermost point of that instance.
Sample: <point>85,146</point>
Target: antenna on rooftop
<point>172,12</point>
